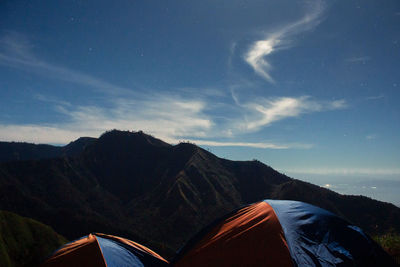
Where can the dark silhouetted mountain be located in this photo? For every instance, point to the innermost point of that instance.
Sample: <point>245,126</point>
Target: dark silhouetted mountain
<point>24,241</point>
<point>10,151</point>
<point>134,185</point>
<point>76,147</point>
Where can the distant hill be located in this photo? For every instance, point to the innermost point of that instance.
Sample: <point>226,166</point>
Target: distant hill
<point>134,185</point>
<point>24,241</point>
<point>11,151</point>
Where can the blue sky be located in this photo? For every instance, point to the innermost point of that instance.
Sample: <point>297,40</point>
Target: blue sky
<point>308,87</point>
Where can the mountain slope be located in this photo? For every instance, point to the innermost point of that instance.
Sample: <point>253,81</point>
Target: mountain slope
<point>25,242</point>
<point>135,185</point>
<point>12,151</point>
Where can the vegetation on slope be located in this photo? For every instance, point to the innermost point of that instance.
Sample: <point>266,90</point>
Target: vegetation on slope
<point>391,243</point>
<point>24,241</point>
<point>131,184</point>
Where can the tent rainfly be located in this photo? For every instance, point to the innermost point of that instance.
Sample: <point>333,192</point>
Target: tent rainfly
<point>281,233</point>
<point>100,250</point>
<point>267,233</point>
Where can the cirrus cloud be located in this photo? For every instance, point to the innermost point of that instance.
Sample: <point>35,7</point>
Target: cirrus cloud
<point>173,116</point>
<point>267,111</point>
<point>280,39</point>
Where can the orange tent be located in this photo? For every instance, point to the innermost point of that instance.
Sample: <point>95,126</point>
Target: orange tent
<point>104,250</point>
<point>281,233</point>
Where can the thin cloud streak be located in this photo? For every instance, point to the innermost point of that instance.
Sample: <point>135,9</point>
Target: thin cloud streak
<point>174,118</point>
<point>362,59</point>
<point>60,73</point>
<point>280,39</point>
<point>41,134</point>
<point>168,117</point>
<point>62,135</point>
<point>371,136</point>
<point>16,53</point>
<point>272,110</point>
<point>345,171</point>
<point>376,97</point>
<point>163,116</point>
<point>253,145</point>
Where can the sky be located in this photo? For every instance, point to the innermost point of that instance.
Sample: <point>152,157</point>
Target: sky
<point>310,88</point>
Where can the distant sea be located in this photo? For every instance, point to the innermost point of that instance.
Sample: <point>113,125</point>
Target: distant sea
<point>386,188</point>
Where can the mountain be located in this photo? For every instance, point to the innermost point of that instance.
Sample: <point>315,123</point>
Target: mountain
<point>134,185</point>
<point>25,242</point>
<point>11,151</point>
<point>76,147</point>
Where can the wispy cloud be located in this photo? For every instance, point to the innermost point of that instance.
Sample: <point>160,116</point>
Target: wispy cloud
<point>346,171</point>
<point>232,49</point>
<point>41,134</point>
<point>51,100</point>
<point>172,119</point>
<point>362,59</point>
<point>371,136</point>
<point>268,111</point>
<point>165,117</point>
<point>254,145</point>
<point>16,52</point>
<point>375,97</point>
<point>65,133</point>
<point>168,117</point>
<point>280,39</point>
<point>256,56</point>
<point>177,116</point>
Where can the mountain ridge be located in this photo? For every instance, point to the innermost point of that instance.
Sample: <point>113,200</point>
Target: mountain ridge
<point>135,185</point>
<point>13,151</point>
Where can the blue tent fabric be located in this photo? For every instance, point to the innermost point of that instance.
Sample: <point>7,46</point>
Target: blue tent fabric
<point>122,250</point>
<point>101,250</point>
<point>249,236</point>
<point>317,237</point>
<point>116,255</point>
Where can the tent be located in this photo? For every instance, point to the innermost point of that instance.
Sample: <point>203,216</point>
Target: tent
<point>281,233</point>
<point>266,233</point>
<point>104,250</point>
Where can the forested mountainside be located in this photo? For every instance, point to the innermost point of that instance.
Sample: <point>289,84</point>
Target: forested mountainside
<point>134,185</point>
<point>24,241</point>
